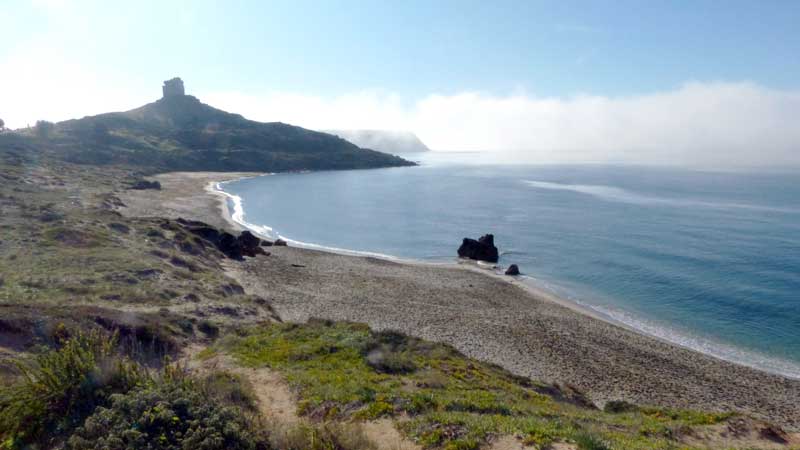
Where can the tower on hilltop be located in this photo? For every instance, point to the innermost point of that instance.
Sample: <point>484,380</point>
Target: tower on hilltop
<point>173,88</point>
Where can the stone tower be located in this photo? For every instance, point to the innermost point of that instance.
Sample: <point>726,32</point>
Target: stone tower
<point>173,88</point>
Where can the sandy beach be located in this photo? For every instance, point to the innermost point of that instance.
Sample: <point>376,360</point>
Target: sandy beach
<point>488,317</point>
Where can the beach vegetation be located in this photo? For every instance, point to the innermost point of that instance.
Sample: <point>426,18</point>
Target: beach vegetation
<point>448,400</point>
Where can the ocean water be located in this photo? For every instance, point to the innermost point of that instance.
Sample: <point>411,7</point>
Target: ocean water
<point>708,260</point>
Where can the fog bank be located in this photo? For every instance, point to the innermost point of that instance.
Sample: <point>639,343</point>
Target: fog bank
<point>705,124</point>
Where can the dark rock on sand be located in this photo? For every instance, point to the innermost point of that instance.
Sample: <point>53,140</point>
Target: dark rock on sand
<point>230,246</point>
<point>483,249</point>
<point>251,245</point>
<point>280,243</point>
<point>144,184</point>
<point>246,244</point>
<point>512,270</point>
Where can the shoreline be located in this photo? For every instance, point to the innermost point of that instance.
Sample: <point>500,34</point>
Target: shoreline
<point>492,318</point>
<point>213,188</point>
<point>712,349</point>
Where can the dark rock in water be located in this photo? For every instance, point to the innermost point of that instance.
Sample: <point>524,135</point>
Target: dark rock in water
<point>144,184</point>
<point>483,249</point>
<point>280,243</point>
<point>512,270</point>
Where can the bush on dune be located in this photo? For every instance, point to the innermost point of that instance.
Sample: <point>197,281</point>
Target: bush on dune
<point>84,393</point>
<point>173,415</point>
<point>58,389</point>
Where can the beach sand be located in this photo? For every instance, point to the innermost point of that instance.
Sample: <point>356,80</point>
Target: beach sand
<point>489,317</point>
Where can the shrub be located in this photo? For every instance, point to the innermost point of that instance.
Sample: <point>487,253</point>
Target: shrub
<point>208,328</point>
<point>386,361</point>
<point>172,415</point>
<point>230,389</point>
<point>60,388</point>
<point>330,436</point>
<point>389,352</point>
<point>619,406</point>
<point>590,442</point>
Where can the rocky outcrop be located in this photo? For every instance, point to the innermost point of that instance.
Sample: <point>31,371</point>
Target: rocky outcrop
<point>483,249</point>
<point>251,245</point>
<point>512,270</point>
<point>173,88</point>
<point>280,243</point>
<point>234,247</point>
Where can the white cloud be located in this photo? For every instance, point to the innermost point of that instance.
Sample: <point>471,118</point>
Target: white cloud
<point>48,84</point>
<point>712,124</point>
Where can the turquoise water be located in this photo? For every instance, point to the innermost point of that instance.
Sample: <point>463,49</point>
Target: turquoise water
<point>709,260</point>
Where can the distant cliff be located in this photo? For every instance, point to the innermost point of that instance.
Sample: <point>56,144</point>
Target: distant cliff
<point>178,132</point>
<point>386,141</point>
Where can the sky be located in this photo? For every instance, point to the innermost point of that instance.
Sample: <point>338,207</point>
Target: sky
<point>682,82</point>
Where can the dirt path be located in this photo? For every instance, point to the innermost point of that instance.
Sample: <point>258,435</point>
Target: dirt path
<point>276,401</point>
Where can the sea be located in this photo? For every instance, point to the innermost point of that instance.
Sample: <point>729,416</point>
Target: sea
<point>706,259</point>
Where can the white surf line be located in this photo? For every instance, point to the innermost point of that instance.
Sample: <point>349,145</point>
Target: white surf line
<point>681,338</point>
<point>238,216</point>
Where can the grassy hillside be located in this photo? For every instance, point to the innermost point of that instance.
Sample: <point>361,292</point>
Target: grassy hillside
<point>181,133</point>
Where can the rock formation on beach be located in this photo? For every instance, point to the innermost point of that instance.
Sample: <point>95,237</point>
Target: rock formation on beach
<point>512,270</point>
<point>482,250</point>
<point>246,244</point>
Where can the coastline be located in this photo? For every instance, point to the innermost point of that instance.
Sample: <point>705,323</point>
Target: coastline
<point>235,216</point>
<point>494,318</point>
<point>230,217</point>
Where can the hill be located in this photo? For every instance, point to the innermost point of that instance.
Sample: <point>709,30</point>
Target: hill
<point>387,141</point>
<point>178,132</point>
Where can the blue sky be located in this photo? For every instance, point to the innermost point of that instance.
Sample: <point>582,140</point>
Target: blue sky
<point>85,56</point>
<point>417,47</point>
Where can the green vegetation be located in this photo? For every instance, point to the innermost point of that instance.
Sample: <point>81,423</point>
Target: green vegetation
<point>64,244</point>
<point>181,133</point>
<point>59,389</point>
<point>83,395</point>
<point>168,415</point>
<point>344,371</point>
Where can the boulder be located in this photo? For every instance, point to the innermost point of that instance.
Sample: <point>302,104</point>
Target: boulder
<point>235,247</point>
<point>230,246</point>
<point>512,270</point>
<point>279,243</point>
<point>251,245</point>
<point>483,249</point>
